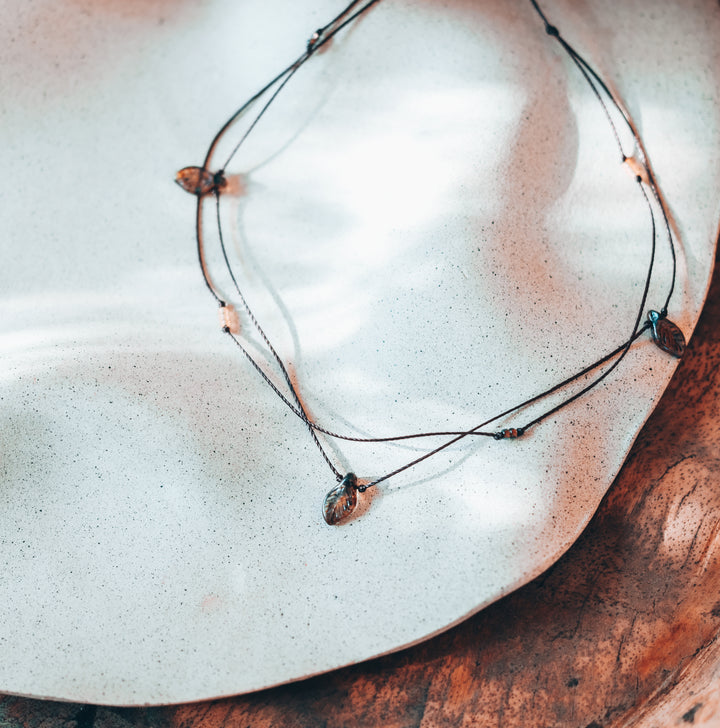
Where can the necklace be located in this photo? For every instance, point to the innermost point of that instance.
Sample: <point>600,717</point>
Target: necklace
<point>206,184</point>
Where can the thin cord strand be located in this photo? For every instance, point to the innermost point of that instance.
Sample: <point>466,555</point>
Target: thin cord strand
<point>636,327</point>
<point>200,250</point>
<point>300,408</point>
<point>575,58</point>
<point>285,75</point>
<point>651,177</point>
<point>579,59</point>
<point>293,70</point>
<point>288,72</point>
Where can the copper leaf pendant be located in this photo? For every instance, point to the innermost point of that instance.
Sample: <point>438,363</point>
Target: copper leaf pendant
<point>340,502</point>
<point>666,334</point>
<point>198,181</point>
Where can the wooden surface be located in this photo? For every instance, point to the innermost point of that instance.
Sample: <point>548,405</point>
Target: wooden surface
<point>623,631</point>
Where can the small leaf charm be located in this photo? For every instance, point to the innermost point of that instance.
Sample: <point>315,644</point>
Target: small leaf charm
<point>340,502</point>
<point>198,181</point>
<point>666,334</point>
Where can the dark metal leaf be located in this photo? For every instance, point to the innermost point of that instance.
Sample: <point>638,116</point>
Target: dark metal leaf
<point>666,334</point>
<point>340,502</point>
<point>198,181</point>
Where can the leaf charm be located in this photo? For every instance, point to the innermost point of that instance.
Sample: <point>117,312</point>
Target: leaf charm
<point>340,502</point>
<point>198,181</point>
<point>666,334</point>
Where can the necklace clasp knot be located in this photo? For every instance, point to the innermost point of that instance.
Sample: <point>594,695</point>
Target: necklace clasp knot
<point>314,39</point>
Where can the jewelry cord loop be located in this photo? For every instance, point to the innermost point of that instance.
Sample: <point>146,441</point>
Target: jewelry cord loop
<point>342,499</point>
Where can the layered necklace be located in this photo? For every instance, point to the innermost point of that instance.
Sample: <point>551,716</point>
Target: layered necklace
<point>209,182</point>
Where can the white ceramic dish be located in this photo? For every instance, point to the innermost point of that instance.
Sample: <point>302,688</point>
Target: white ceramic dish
<point>435,225</point>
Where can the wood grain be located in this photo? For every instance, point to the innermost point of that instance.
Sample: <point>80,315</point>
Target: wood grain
<point>622,631</point>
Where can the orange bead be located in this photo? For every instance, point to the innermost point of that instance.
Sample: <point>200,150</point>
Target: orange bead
<point>229,320</point>
<point>637,169</point>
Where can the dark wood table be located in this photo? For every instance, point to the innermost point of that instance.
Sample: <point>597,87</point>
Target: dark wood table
<point>622,631</point>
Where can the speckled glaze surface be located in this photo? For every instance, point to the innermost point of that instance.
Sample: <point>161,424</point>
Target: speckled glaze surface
<point>432,225</point>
